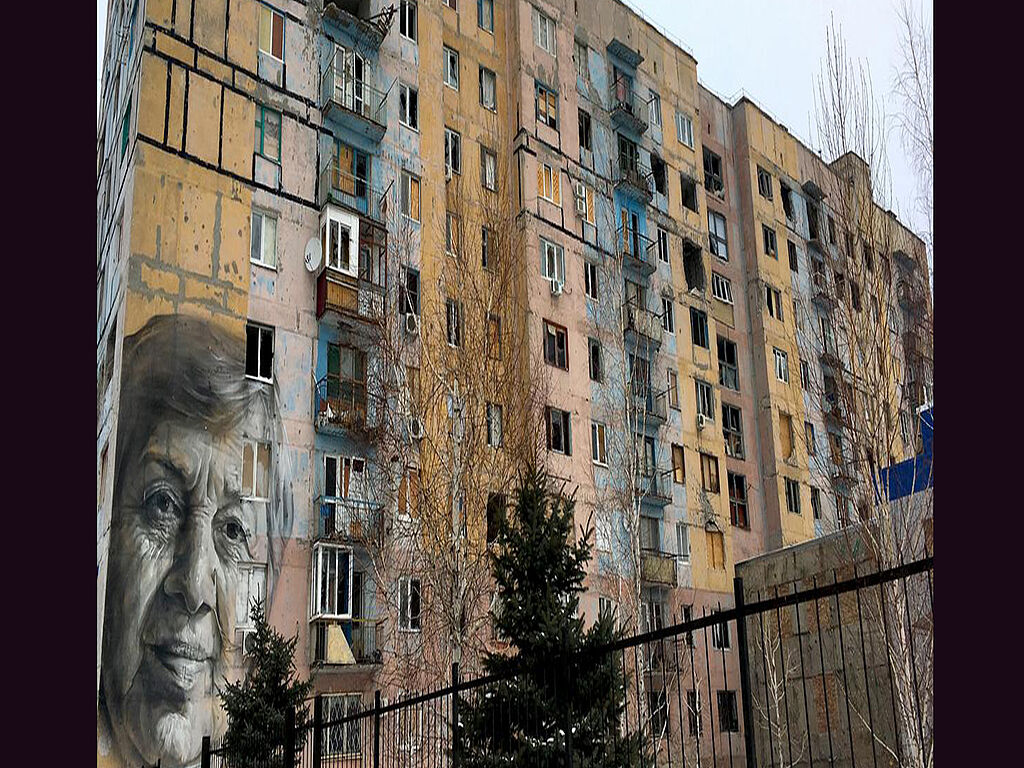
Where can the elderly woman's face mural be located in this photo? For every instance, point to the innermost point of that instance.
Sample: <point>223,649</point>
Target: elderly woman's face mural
<point>182,528</point>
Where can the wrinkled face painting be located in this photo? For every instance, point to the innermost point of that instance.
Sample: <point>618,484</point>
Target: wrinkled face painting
<point>182,530</point>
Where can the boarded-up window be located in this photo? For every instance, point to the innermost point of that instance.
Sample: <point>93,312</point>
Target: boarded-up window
<point>786,434</point>
<point>716,550</point>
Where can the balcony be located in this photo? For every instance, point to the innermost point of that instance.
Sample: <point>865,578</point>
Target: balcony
<point>346,642</point>
<point>340,407</point>
<point>833,411</point>
<point>656,488</point>
<point>829,356</point>
<point>652,407</point>
<point>821,294</point>
<point>842,473</point>
<point>657,567</point>
<point>904,260</point>
<point>634,180</point>
<point>629,111</point>
<point>637,250</point>
<point>350,104</point>
<point>353,17</point>
<point>341,519</point>
<point>641,326</point>
<point>911,298</point>
<point>339,187</point>
<point>349,296</point>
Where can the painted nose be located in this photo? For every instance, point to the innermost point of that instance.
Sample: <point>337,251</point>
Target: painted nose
<point>193,577</point>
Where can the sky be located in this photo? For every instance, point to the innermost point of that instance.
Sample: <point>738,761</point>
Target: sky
<point>773,52</point>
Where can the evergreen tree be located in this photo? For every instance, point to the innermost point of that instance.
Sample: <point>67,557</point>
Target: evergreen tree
<point>257,706</point>
<point>555,699</point>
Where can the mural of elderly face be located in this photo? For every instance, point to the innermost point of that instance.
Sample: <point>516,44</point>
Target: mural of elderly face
<point>181,531</point>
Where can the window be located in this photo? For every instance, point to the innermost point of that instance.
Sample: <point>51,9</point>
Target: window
<point>728,717</point>
<point>869,262</point>
<point>543,32</point>
<point>597,444</point>
<point>452,227</point>
<point>271,39</point>
<point>488,89</point>
<point>764,183</point>
<point>263,249</point>
<point>693,266</point>
<point>493,336</point>
<point>657,702</point>
<point>792,496</point>
<point>494,424</point>
<point>771,247</point>
<point>732,431</point>
<point>605,605</point>
<point>721,288</point>
<point>720,634</point>
<point>453,316</point>
<point>709,472</point>
<point>590,279</point>
<point>594,351</point>
<point>451,67</point>
<point>678,464</point>
<point>342,739</point>
<point>683,543</point>
<point>794,262</point>
<point>580,57</point>
<point>738,500</point>
<point>809,437</point>
<point>252,586</point>
<point>409,292</point>
<point>453,4</point>
<point>705,399</point>
<point>410,196</point>
<point>485,247</point>
<point>684,129</point>
<point>816,503</point>
<point>259,352</point>
<point>787,201</point>
<point>668,318</point>
<point>773,298</point>
<point>256,470</point>
<point>559,431</point>
<point>689,191</point>
<point>346,379</point>
<point>849,245</point>
<point>409,604</point>
<point>805,375</point>
<point>781,365</point>
<point>717,235</point>
<point>407,19</point>
<point>673,389</point>
<point>713,181</point>
<point>586,135</point>
<point>332,582</point>
<point>855,296</point>
<point>699,328</point>
<point>549,184</point>
<point>693,713</point>
<point>408,106</point>
<point>485,15</point>
<point>547,106</point>
<point>552,264</point>
<point>268,133</point>
<point>495,512</point>
<point>556,345</point>
<point>654,109</point>
<point>716,552</point>
<point>488,169</point>
<point>452,150</point>
<point>663,246</point>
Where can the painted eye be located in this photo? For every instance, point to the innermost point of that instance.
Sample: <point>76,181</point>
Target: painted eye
<point>234,531</point>
<point>162,504</point>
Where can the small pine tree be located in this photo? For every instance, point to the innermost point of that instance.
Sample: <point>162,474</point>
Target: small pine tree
<point>257,706</point>
<point>551,705</point>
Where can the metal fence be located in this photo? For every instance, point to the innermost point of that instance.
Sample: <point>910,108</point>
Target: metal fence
<point>805,674</point>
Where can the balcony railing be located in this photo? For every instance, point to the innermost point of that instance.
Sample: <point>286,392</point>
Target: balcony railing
<point>655,488</point>
<point>353,103</point>
<point>821,294</point>
<point>352,14</point>
<point>340,187</point>
<point>642,324</point>
<point>634,179</point>
<point>345,519</point>
<point>658,567</point>
<point>348,295</point>
<point>653,405</point>
<point>344,406</point>
<point>628,109</point>
<point>362,636</point>
<point>637,249</point>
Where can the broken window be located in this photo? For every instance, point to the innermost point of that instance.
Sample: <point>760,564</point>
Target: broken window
<point>786,434</point>
<point>787,201</point>
<point>586,139</point>
<point>699,328</point>
<point>771,247</point>
<point>693,266</point>
<point>792,496</point>
<point>717,235</point>
<point>831,231</point>
<point>595,359</point>
<point>812,222</point>
<point>737,500</point>
<point>764,183</point>
<point>721,288</point>
<point>495,512</point>
<point>869,261</point>
<point>709,473</point>
<point>689,189</point>
<point>773,298</point>
<point>659,175</point>
<point>713,180</point>
<point>559,436</point>
<point>556,345</point>
<point>732,431</point>
<point>259,352</point>
<point>855,296</point>
<point>794,262</point>
<point>728,372</point>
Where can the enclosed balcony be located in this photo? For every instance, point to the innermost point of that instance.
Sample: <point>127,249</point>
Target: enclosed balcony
<point>354,17</point>
<point>637,249</point>
<point>340,519</point>
<point>349,104</point>
<point>354,641</point>
<point>657,567</point>
<point>350,296</point>
<point>628,110</point>
<point>633,179</point>
<point>641,327</point>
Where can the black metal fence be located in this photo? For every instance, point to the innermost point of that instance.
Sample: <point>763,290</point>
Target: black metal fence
<point>835,673</point>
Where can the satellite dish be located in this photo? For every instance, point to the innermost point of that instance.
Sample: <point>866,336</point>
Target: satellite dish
<point>313,255</point>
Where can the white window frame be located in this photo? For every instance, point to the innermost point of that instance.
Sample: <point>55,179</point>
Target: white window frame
<point>684,129</point>
<point>486,74</point>
<point>668,315</point>
<point>718,241</point>
<point>405,114</point>
<point>683,541</point>
<point>480,6</point>
<point>582,68</point>
<point>406,620</point>
<point>265,218</point>
<point>663,252</point>
<point>337,706</point>
<point>262,329</point>
<point>544,31</point>
<point>781,364</point>
<point>323,553</point>
<point>273,12</point>
<point>252,582</point>
<point>450,74</point>
<point>705,394</point>
<point>408,12</point>
<point>553,254</point>
<point>407,180</point>
<point>721,288</point>
<point>453,150</point>
<point>591,280</point>
<point>488,169</point>
<point>654,108</point>
<point>548,174</point>
<point>598,444</point>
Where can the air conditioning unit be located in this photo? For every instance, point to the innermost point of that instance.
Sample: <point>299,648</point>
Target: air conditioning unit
<point>581,206</point>
<point>412,324</point>
<point>415,428</point>
<point>702,421</point>
<point>556,287</point>
<point>580,193</point>
<point>246,639</point>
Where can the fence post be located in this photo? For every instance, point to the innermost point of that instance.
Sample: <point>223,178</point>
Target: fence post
<point>289,737</point>
<point>455,716</point>
<point>204,760</point>
<point>376,728</point>
<point>318,729</point>
<point>745,692</point>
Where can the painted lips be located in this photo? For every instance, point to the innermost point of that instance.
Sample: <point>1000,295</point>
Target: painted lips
<point>183,662</point>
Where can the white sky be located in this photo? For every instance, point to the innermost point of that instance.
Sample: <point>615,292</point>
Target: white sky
<point>773,51</point>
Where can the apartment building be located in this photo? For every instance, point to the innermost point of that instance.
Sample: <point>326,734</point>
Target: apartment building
<point>329,184</point>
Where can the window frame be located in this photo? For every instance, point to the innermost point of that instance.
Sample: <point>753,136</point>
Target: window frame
<point>350,703</point>
<point>264,216</point>
<point>591,279</point>
<point>764,184</point>
<point>410,92</point>
<point>480,5</point>
<point>718,244</point>
<point>411,13</point>
<point>484,72</point>
<point>684,129</point>
<point>732,431</point>
<point>407,180</point>
<point>262,111</point>
<point>319,608</point>
<point>781,364</point>
<point>565,429</point>
<point>261,330</point>
<point>711,483</point>
<point>452,150</point>
<point>598,444</point>
<point>450,56</point>
<point>554,331</point>
<point>407,620</point>
<point>771,241</point>
<point>792,496</point>
<point>739,499</point>
<point>596,371</point>
<point>453,322</point>
<point>495,415</point>
<point>721,288</point>
<point>544,27</point>
<point>699,328</point>
<point>549,97</point>
<point>274,16</point>
<point>668,317</point>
